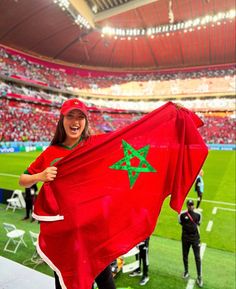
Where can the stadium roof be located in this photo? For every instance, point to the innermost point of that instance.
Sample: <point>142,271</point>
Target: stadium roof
<point>139,34</point>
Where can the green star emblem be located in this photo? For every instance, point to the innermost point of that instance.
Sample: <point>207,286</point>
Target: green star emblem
<point>133,155</point>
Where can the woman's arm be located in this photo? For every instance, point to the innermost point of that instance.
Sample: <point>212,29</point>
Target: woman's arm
<point>48,175</point>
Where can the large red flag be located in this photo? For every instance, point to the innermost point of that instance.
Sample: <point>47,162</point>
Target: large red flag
<point>108,193</point>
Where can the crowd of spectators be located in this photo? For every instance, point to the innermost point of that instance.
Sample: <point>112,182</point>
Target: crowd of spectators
<point>23,115</point>
<point>12,65</point>
<point>56,98</point>
<point>22,121</point>
<point>26,92</point>
<point>197,105</point>
<point>218,129</point>
<point>64,78</point>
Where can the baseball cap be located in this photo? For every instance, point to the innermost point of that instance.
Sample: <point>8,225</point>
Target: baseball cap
<point>190,203</point>
<point>71,104</point>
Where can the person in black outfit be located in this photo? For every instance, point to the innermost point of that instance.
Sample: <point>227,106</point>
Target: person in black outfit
<point>190,220</point>
<point>29,200</point>
<point>142,256</point>
<point>199,188</point>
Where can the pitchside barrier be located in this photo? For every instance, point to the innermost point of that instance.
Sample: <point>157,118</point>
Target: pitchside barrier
<point>13,147</point>
<point>222,147</point>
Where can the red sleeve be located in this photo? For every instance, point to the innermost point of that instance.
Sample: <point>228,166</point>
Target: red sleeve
<point>40,163</point>
<point>50,157</point>
<point>37,165</point>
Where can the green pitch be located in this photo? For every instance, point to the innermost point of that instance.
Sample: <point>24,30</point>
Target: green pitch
<point>165,248</point>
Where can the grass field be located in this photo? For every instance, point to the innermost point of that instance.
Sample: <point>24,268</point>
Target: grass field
<point>165,247</point>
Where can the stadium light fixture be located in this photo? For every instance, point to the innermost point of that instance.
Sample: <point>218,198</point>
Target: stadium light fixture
<point>79,19</point>
<point>64,4</point>
<point>164,29</point>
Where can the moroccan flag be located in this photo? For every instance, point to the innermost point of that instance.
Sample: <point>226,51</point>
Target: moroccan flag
<point>108,193</point>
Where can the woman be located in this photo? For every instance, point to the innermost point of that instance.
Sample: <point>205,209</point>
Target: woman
<point>71,132</point>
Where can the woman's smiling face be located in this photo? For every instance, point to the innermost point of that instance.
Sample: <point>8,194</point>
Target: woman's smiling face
<point>74,123</point>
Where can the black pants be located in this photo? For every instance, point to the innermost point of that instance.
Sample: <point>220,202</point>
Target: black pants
<point>142,256</point>
<point>104,280</point>
<point>28,206</point>
<point>199,200</point>
<point>186,244</point>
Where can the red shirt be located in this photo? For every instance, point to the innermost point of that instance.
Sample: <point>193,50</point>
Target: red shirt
<point>49,157</point>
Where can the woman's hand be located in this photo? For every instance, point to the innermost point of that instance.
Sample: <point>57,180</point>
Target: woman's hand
<point>49,174</point>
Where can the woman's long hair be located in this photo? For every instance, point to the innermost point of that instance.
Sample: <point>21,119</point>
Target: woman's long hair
<point>60,134</point>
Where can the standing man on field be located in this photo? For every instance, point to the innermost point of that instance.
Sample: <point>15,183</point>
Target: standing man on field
<point>199,188</point>
<point>142,256</point>
<point>190,220</point>
<point>30,195</point>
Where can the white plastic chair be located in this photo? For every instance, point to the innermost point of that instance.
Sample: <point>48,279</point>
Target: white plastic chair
<point>36,259</point>
<point>16,201</point>
<point>15,237</point>
<point>131,266</point>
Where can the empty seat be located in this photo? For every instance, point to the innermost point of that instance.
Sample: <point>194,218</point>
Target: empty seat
<point>35,259</point>
<point>16,201</point>
<point>15,238</point>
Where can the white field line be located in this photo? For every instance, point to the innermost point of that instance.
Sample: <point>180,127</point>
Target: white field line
<point>9,175</point>
<point>214,211</point>
<point>190,284</point>
<point>202,250</point>
<point>216,202</point>
<point>209,226</point>
<point>226,209</point>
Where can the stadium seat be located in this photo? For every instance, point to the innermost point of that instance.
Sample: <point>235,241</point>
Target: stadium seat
<point>16,201</point>
<point>15,237</point>
<point>129,267</point>
<point>35,258</point>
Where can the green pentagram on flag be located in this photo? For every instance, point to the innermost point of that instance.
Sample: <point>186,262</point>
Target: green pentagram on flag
<point>125,163</point>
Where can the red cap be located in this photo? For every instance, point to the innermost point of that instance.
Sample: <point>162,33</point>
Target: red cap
<point>71,104</point>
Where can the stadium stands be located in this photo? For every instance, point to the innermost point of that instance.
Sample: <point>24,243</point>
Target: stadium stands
<point>164,83</point>
<point>23,121</point>
<point>31,90</point>
<point>218,129</point>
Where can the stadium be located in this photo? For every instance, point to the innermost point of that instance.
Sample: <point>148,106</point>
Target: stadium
<point>125,60</point>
